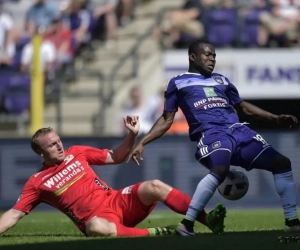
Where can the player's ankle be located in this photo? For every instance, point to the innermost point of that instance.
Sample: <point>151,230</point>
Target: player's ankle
<point>159,231</point>
<point>189,224</point>
<point>152,231</point>
<point>205,220</point>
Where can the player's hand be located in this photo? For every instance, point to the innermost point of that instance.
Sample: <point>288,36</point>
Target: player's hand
<point>132,124</point>
<point>288,120</point>
<point>136,152</point>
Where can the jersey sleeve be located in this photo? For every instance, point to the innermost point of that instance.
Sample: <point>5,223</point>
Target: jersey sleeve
<point>94,156</point>
<point>171,101</point>
<point>28,199</point>
<point>233,94</point>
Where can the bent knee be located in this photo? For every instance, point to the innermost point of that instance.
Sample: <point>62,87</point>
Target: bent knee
<point>156,184</point>
<point>152,191</point>
<point>281,163</point>
<point>159,187</point>
<point>100,227</point>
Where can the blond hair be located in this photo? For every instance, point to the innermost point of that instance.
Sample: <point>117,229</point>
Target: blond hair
<point>35,145</point>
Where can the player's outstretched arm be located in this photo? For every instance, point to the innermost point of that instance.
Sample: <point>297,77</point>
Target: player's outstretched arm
<point>159,128</point>
<point>254,111</point>
<point>9,219</point>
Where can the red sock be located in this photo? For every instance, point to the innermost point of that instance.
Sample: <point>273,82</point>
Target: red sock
<point>179,203</point>
<point>128,231</point>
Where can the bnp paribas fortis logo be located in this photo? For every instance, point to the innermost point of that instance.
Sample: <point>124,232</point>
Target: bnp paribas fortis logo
<point>209,92</point>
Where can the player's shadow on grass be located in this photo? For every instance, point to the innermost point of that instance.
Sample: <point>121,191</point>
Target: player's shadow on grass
<point>263,240</point>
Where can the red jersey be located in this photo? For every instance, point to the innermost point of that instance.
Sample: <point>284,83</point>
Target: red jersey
<point>62,36</point>
<point>72,187</point>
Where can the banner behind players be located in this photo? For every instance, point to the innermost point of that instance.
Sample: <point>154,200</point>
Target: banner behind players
<point>258,74</point>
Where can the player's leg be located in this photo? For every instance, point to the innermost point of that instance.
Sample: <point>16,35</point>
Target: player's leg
<point>98,226</point>
<point>286,188</point>
<point>152,191</point>
<point>117,217</point>
<point>280,166</point>
<point>149,192</point>
<point>258,154</point>
<point>215,155</point>
<point>127,204</point>
<point>140,199</point>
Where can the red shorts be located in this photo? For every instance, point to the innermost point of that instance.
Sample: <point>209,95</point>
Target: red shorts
<point>123,206</point>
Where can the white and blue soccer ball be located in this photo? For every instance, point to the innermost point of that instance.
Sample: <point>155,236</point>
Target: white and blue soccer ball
<point>235,185</point>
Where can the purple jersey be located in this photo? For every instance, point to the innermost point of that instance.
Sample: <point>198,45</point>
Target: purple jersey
<point>205,102</point>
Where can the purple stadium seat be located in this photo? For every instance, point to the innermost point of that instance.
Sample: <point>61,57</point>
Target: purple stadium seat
<point>222,27</point>
<point>185,39</point>
<point>19,47</point>
<point>3,83</point>
<point>249,30</point>
<point>17,94</point>
<point>73,20</point>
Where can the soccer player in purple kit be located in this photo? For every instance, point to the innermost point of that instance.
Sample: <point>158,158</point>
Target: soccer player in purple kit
<point>209,102</point>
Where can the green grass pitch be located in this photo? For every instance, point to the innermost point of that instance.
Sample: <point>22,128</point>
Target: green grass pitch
<point>245,229</point>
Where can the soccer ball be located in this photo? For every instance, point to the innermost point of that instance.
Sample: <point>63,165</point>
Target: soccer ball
<point>235,185</point>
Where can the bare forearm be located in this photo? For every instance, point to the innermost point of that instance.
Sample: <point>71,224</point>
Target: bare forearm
<point>9,219</point>
<point>159,128</point>
<point>124,149</point>
<point>256,112</point>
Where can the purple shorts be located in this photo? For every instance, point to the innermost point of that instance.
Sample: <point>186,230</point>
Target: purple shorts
<point>237,146</point>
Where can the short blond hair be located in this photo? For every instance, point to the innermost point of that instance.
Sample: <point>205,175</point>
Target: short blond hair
<point>35,145</point>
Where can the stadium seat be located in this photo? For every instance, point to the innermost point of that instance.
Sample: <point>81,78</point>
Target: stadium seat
<point>17,93</point>
<point>222,27</point>
<point>19,48</point>
<point>73,20</point>
<point>249,29</point>
<point>184,40</point>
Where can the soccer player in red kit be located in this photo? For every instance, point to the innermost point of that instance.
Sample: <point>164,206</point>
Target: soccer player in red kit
<point>68,183</point>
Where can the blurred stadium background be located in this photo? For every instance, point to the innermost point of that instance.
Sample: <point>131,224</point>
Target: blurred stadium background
<point>79,66</point>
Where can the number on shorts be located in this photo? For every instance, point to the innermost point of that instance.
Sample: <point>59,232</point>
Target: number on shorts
<point>261,139</point>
